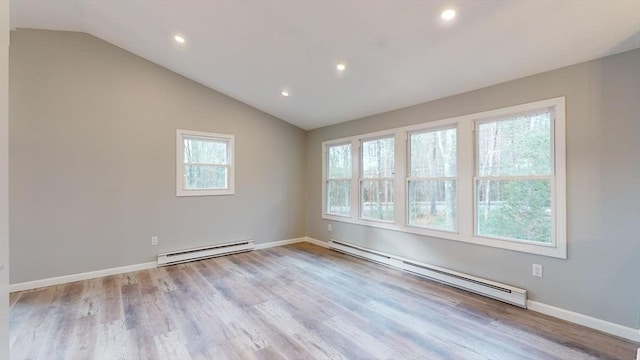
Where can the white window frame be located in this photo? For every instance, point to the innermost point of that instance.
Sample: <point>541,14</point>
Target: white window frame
<point>326,179</point>
<point>409,178</point>
<point>180,164</point>
<point>362,179</point>
<point>557,247</point>
<point>465,180</point>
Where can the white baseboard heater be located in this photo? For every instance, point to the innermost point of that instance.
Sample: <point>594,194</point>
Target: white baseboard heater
<point>176,257</point>
<point>492,289</point>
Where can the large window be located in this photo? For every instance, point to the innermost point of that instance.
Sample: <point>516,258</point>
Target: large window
<point>376,179</point>
<point>495,178</point>
<point>432,179</point>
<point>338,179</point>
<point>204,163</point>
<point>514,175</point>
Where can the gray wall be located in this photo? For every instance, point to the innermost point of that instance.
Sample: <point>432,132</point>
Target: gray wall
<point>601,277</point>
<point>92,160</point>
<point>4,179</point>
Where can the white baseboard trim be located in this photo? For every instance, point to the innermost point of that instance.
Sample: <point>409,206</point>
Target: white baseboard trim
<point>280,243</point>
<point>29,285</point>
<point>317,242</point>
<point>584,320</point>
<point>79,277</point>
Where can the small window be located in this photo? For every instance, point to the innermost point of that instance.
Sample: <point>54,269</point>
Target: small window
<point>204,163</point>
<point>432,179</point>
<point>338,178</point>
<point>376,179</point>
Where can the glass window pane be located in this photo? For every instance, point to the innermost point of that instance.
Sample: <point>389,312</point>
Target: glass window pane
<point>339,197</point>
<point>204,151</point>
<point>515,209</point>
<point>377,200</point>
<point>433,154</point>
<point>432,204</point>
<point>205,177</point>
<point>339,162</point>
<point>378,158</point>
<point>518,146</point>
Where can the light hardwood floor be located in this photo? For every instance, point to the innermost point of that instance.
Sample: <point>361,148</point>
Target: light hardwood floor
<point>294,302</point>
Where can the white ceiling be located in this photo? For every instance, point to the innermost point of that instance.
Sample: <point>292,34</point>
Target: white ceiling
<point>398,53</point>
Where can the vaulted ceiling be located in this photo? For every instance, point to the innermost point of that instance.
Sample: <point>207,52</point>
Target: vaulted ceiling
<point>397,53</point>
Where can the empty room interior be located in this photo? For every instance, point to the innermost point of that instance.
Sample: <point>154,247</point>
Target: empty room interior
<point>320,179</point>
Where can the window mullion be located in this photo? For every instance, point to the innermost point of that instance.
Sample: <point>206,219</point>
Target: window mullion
<point>355,175</point>
<point>399,187</point>
<point>465,178</point>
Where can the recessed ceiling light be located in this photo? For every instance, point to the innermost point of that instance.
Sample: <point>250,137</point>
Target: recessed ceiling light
<point>179,39</point>
<point>341,66</point>
<point>448,14</point>
<point>284,93</point>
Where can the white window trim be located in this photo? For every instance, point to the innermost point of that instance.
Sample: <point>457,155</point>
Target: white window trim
<point>466,172</point>
<point>409,178</point>
<point>180,190</point>
<point>361,177</point>
<point>326,179</point>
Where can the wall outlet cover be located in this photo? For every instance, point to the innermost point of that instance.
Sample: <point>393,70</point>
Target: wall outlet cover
<point>536,270</point>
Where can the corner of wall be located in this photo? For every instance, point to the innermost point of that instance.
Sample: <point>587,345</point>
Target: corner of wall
<point>4,179</point>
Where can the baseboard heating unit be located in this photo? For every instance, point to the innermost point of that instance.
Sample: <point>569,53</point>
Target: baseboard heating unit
<point>176,257</point>
<point>488,288</point>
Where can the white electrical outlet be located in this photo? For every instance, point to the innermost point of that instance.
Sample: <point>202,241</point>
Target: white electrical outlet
<point>154,240</point>
<point>330,227</point>
<point>536,270</point>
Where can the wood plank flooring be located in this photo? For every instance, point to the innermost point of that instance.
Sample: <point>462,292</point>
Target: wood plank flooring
<point>294,302</point>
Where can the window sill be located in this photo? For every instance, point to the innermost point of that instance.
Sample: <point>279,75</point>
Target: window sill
<point>550,250</point>
<point>182,193</point>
